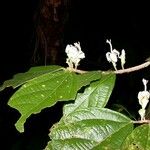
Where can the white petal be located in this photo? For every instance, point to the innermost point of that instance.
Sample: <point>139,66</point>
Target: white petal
<point>113,57</point>
<point>108,56</point>
<point>144,81</point>
<point>109,42</point>
<point>122,58</point>
<point>145,84</point>
<point>143,97</point>
<point>77,45</point>
<point>142,114</point>
<point>67,48</point>
<point>116,52</point>
<point>143,94</point>
<point>123,52</point>
<point>81,55</point>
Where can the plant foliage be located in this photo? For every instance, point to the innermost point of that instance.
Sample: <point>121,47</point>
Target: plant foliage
<point>86,122</point>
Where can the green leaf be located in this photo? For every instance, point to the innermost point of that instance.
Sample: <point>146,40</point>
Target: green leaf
<point>45,90</point>
<point>89,128</point>
<point>139,139</point>
<point>96,95</point>
<point>33,72</point>
<point>115,141</point>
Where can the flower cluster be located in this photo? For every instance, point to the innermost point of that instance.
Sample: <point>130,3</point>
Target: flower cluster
<point>74,54</point>
<point>114,55</point>
<point>143,97</point>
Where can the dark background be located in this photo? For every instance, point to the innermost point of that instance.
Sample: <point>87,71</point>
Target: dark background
<point>91,23</point>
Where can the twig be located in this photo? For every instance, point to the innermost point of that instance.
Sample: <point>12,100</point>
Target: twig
<point>132,69</point>
<point>128,70</point>
<point>141,121</point>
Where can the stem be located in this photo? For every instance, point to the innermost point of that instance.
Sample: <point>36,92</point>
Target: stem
<point>122,71</point>
<point>132,69</point>
<point>141,121</point>
<point>122,66</point>
<point>114,65</point>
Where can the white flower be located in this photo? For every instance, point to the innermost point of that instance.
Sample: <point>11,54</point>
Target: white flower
<point>144,96</point>
<point>113,55</point>
<point>74,54</point>
<point>142,114</point>
<point>122,58</point>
